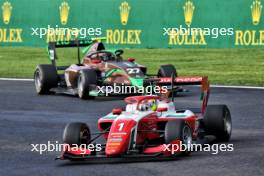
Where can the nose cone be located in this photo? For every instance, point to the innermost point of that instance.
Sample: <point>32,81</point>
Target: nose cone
<point>121,135</point>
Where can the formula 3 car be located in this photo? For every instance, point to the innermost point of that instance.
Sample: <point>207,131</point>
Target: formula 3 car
<point>99,67</point>
<point>149,127</point>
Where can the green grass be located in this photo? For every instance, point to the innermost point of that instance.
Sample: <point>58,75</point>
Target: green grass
<point>223,66</point>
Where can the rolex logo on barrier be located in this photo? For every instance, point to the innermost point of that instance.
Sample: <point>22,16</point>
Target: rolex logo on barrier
<point>124,36</point>
<point>256,9</point>
<point>188,9</point>
<point>187,37</point>
<point>7,12</point>
<point>124,12</point>
<point>251,37</point>
<point>9,35</point>
<point>64,12</point>
<point>196,38</point>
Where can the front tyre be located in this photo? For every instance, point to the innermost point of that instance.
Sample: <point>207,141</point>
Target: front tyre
<point>45,78</point>
<point>178,129</point>
<point>76,134</point>
<point>86,79</point>
<point>217,122</point>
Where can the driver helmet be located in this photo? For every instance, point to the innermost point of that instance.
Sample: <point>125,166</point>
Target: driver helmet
<point>153,105</point>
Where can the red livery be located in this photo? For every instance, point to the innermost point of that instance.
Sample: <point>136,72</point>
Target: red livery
<point>150,126</point>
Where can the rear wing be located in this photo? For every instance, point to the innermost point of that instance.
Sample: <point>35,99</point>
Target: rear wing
<point>69,44</point>
<point>190,80</point>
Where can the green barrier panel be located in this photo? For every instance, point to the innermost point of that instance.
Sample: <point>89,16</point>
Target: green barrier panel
<point>135,24</point>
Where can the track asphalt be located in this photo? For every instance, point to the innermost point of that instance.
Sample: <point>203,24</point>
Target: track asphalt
<point>27,118</point>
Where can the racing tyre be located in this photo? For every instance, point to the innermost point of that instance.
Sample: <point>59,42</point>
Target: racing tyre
<point>45,78</point>
<point>86,79</point>
<point>76,134</point>
<point>167,71</point>
<point>178,129</point>
<point>217,122</point>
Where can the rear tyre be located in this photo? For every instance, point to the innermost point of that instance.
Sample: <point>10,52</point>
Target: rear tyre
<point>217,122</point>
<point>86,79</point>
<point>45,78</point>
<point>76,134</point>
<point>178,129</point>
<point>167,71</point>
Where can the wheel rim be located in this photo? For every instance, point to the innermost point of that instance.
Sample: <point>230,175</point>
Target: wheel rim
<point>37,81</point>
<point>80,87</point>
<point>84,136</point>
<point>227,123</point>
<point>187,136</point>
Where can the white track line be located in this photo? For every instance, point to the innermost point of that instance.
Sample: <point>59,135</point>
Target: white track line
<point>237,87</point>
<point>15,79</point>
<point>217,86</point>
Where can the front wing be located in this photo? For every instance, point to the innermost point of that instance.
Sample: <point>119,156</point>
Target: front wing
<point>162,151</point>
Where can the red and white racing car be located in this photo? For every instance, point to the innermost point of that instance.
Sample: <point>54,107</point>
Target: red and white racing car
<point>148,126</point>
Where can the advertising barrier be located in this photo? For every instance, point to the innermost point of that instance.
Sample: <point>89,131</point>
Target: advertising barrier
<point>134,24</point>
